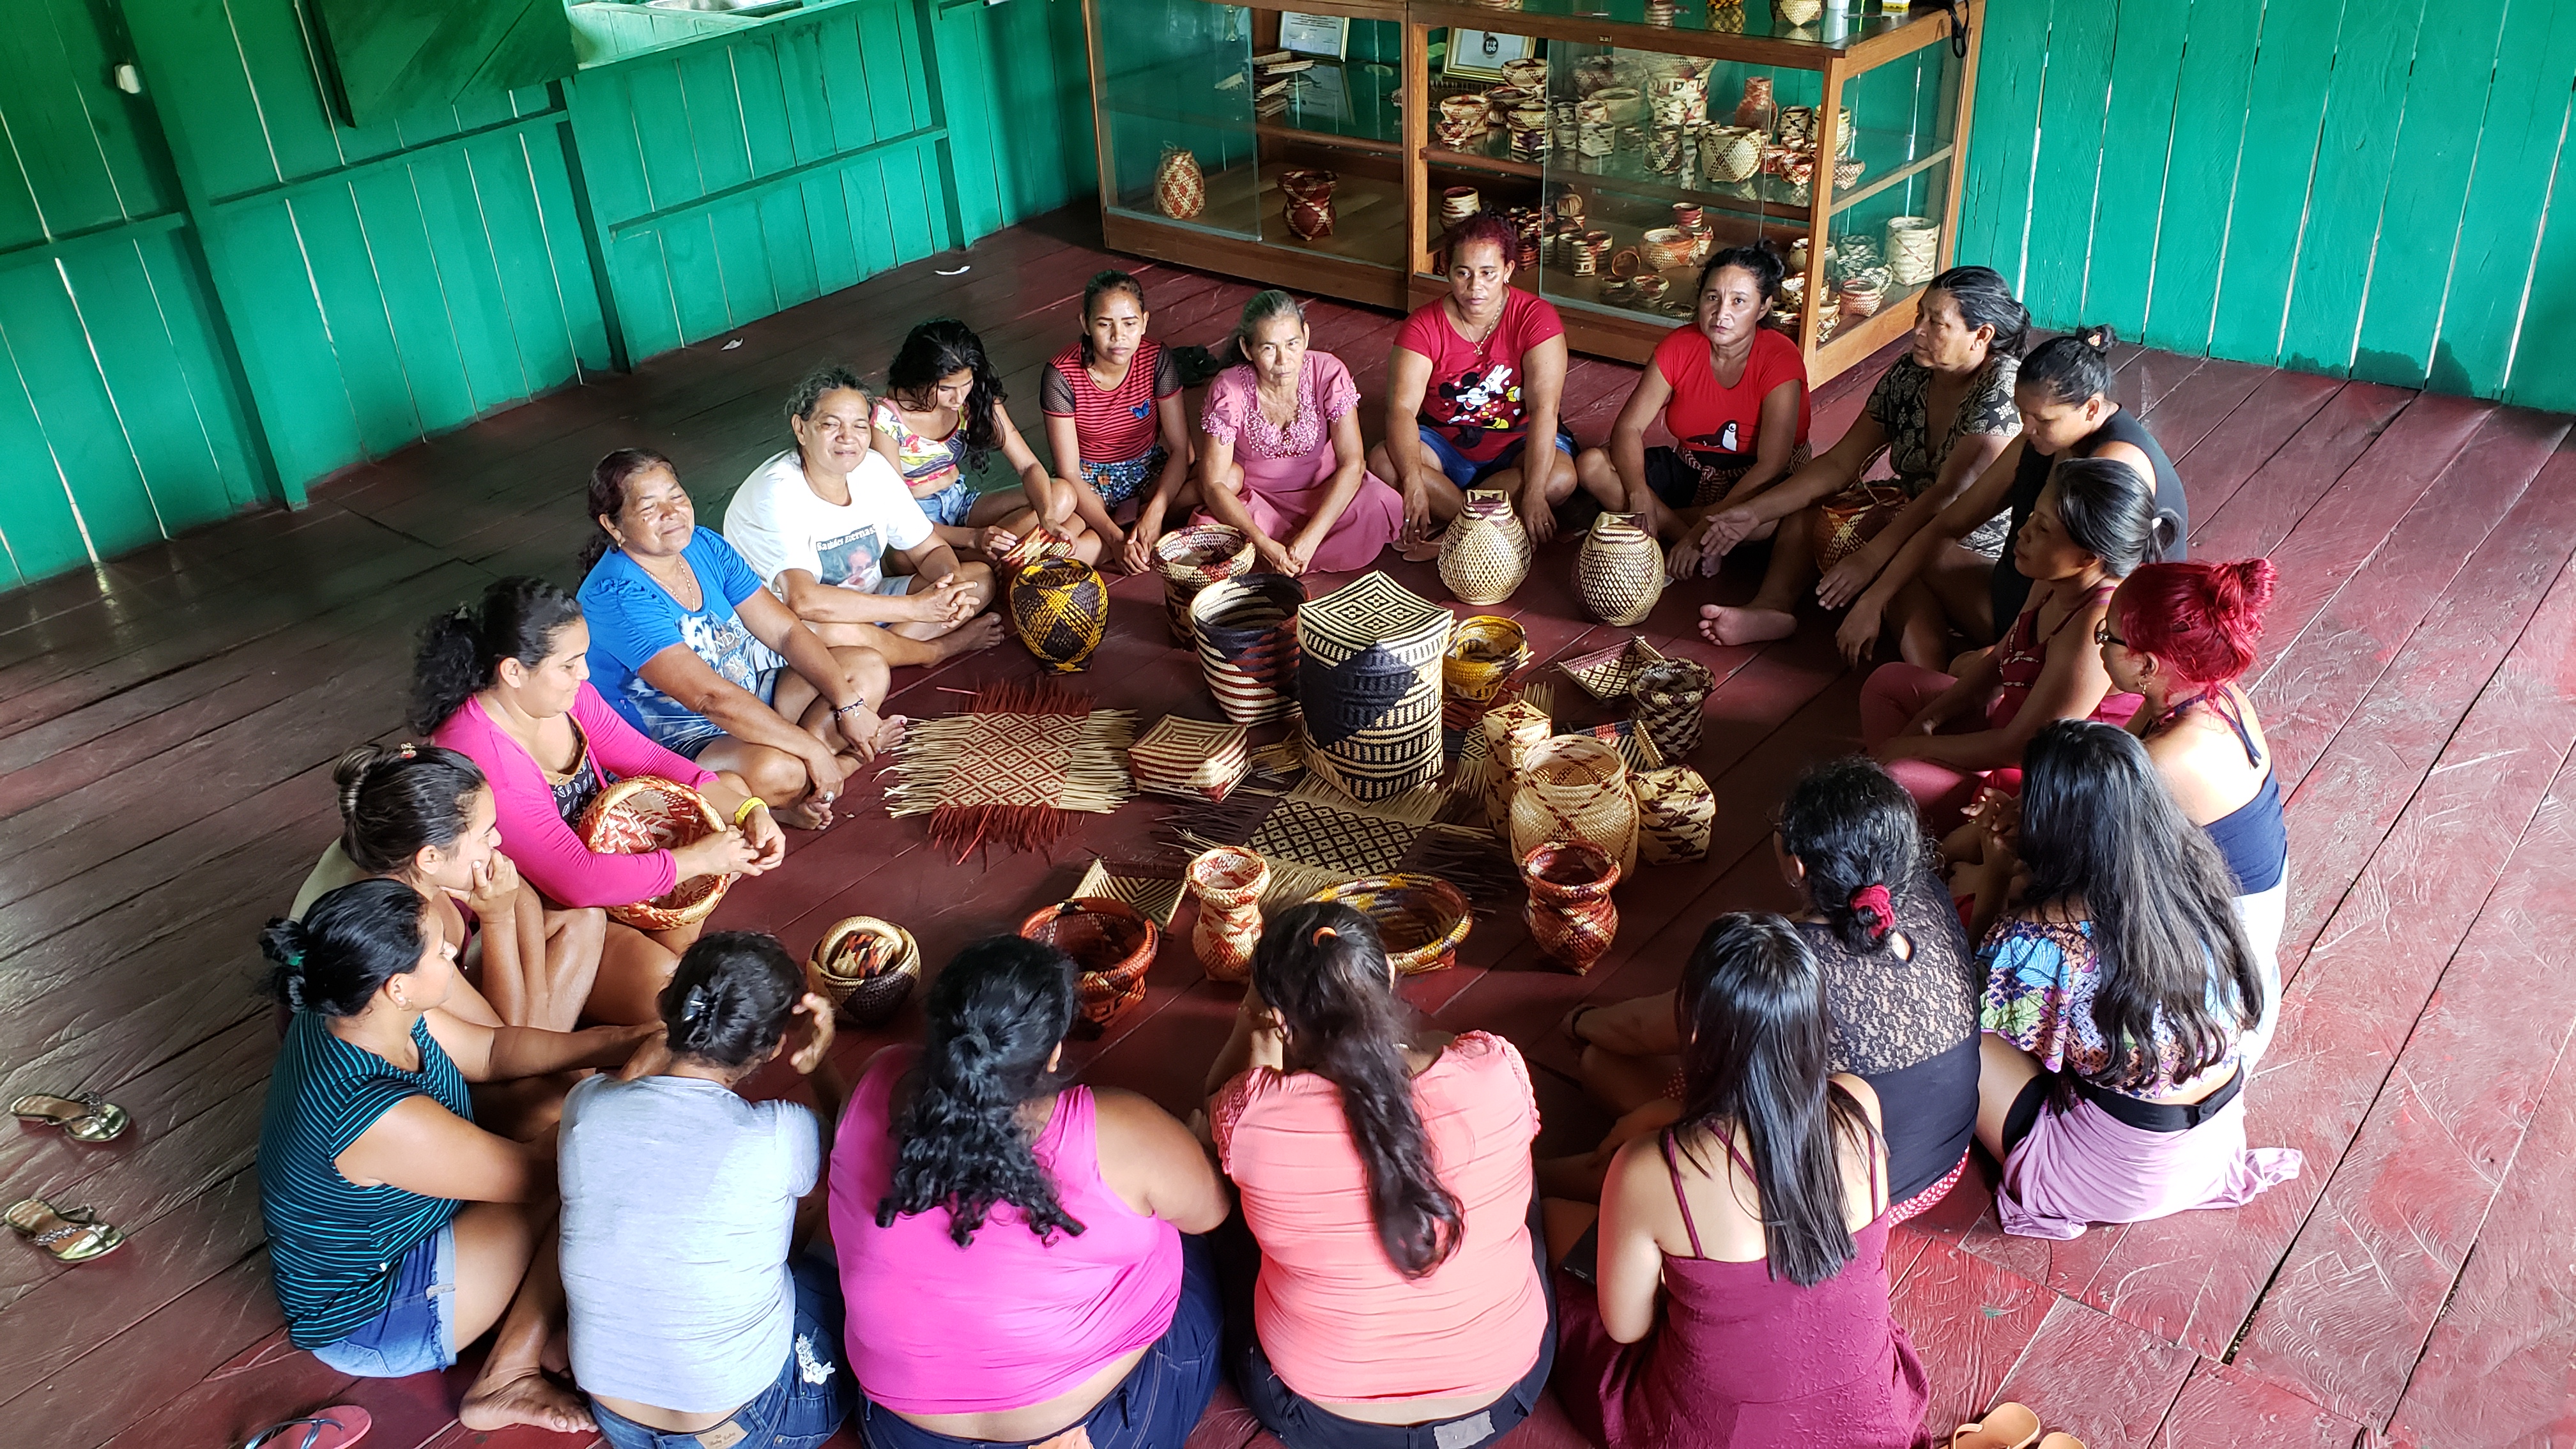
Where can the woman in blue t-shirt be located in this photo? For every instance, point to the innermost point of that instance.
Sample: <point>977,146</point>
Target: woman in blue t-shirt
<point>686,643</point>
<point>399,1232</point>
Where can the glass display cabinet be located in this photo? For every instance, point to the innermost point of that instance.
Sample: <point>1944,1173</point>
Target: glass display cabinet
<point>1325,149</point>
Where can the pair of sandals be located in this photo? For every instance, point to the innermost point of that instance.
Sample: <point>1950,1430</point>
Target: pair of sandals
<point>2010,1426</point>
<point>72,1235</point>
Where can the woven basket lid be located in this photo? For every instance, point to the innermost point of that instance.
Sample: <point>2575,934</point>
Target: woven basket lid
<point>1372,609</point>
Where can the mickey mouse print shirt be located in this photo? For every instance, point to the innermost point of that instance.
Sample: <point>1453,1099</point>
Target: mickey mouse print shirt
<point>1475,402</point>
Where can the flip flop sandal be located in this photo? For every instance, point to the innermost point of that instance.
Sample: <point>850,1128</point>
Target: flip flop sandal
<point>72,1235</point>
<point>2061,1440</point>
<point>336,1427</point>
<point>2006,1426</point>
<point>83,1116</point>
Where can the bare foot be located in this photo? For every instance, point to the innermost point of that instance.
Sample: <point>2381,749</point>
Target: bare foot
<point>531,1399</point>
<point>805,814</point>
<point>981,632</point>
<point>890,731</point>
<point>1745,626</point>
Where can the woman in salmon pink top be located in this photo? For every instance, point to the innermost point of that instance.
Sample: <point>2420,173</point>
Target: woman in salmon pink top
<point>505,682</point>
<point>1385,1174</point>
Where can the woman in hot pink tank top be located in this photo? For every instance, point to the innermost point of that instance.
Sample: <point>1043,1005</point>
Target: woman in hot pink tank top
<point>1013,1254</point>
<point>1386,1177</point>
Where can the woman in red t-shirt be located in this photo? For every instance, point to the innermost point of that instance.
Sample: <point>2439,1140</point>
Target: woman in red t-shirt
<point>1731,391</point>
<point>1473,376</point>
<point>1114,421</point>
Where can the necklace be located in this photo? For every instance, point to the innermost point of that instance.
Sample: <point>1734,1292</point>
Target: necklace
<point>1482,340</point>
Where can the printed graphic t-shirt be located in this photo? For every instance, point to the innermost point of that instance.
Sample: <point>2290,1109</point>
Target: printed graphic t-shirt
<point>632,618</point>
<point>1117,426</point>
<point>1716,424</point>
<point>1474,400</point>
<point>778,524</point>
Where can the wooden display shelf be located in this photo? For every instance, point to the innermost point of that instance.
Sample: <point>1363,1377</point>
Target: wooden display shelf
<point>1362,261</point>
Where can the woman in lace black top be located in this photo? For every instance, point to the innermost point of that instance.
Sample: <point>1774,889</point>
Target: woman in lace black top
<point>1900,984</point>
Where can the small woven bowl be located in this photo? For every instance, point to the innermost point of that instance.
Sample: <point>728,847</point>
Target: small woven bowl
<point>1485,651</point>
<point>868,967</point>
<point>1112,944</point>
<point>644,814</point>
<point>1422,919</point>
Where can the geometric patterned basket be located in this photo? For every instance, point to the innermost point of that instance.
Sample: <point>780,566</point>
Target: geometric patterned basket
<point>1191,558</point>
<point>646,813</point>
<point>1485,651</point>
<point>1619,571</point>
<point>1575,787</point>
<point>1420,919</point>
<point>1247,637</point>
<point>1368,681</point>
<point>868,967</point>
<point>1669,698</point>
<point>1853,517</point>
<point>1112,945</point>
<point>1676,814</point>
<point>1181,756</point>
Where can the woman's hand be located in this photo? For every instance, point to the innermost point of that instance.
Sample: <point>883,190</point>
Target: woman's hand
<point>725,853</point>
<point>1844,581</point>
<point>1276,557</point>
<point>864,729</point>
<point>652,1054</point>
<point>995,541</point>
<point>817,1013</point>
<point>494,890</point>
<point>1997,814</point>
<point>823,769</point>
<point>1538,520</point>
<point>768,842</point>
<point>1723,531</point>
<point>1139,549</point>
<point>1858,636</point>
<point>1417,509</point>
<point>944,602</point>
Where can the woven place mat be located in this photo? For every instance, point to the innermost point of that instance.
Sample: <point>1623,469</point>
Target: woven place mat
<point>1136,885</point>
<point>1013,767</point>
<point>1315,836</point>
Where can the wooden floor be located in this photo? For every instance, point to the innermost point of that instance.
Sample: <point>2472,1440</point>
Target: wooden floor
<point>166,730</point>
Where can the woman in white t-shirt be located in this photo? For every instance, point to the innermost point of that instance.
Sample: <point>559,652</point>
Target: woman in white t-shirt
<point>829,526</point>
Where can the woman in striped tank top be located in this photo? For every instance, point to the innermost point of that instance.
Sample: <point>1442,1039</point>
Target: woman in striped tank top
<point>1115,423</point>
<point>398,1231</point>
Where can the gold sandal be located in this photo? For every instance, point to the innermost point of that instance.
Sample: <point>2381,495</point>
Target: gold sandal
<point>72,1235</point>
<point>2006,1426</point>
<point>83,1116</point>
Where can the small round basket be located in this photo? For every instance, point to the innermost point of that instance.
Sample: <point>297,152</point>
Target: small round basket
<point>1485,651</point>
<point>868,967</point>
<point>1111,943</point>
<point>648,813</point>
<point>1422,919</point>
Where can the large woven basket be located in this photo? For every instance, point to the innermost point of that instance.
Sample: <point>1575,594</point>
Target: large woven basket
<point>1368,682</point>
<point>1192,558</point>
<point>1060,609</point>
<point>868,968</point>
<point>1853,517</point>
<point>1512,730</point>
<point>1575,787</point>
<point>646,813</point>
<point>1486,553</point>
<point>1112,944</point>
<point>1421,919</point>
<point>1669,695</point>
<point>1619,573</point>
<point>1247,638</point>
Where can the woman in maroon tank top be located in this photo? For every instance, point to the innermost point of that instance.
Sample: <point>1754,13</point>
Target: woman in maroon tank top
<point>1739,1284</point>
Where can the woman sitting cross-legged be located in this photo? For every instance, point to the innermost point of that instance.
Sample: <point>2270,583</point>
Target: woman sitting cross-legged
<point>692,1318</point>
<point>504,682</point>
<point>1732,392</point>
<point>2180,636</point>
<point>1939,735</point>
<point>1019,1253</point>
<point>690,647</point>
<point>1385,1173</point>
<point>1116,424</point>
<point>398,1231</point>
<point>1900,990</point>
<point>1941,414</point>
<point>1936,592</point>
<point>428,817</point>
<point>2119,987</point>
<point>1737,1290</point>
<point>942,414</point>
<point>1279,450</point>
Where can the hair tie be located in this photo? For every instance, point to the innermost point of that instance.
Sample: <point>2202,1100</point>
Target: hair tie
<point>694,1004</point>
<point>404,750</point>
<point>1323,934</point>
<point>1876,898</point>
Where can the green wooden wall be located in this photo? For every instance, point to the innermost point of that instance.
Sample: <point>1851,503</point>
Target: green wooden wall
<point>212,294</point>
<point>2362,188</point>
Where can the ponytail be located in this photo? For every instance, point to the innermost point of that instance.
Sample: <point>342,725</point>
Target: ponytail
<point>1855,831</point>
<point>461,650</point>
<point>728,1002</point>
<point>1322,967</point>
<point>349,944</point>
<point>997,1015</point>
<point>396,803</point>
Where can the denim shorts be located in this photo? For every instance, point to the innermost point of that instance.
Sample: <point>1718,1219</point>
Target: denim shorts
<point>416,1334</point>
<point>1466,472</point>
<point>804,1407</point>
<point>1154,1407</point>
<point>1118,482</point>
<point>950,505</point>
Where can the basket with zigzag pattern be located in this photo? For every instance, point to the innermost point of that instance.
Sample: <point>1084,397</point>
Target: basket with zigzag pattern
<point>1368,681</point>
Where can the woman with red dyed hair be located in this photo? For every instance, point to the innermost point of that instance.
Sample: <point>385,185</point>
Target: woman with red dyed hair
<point>2181,635</point>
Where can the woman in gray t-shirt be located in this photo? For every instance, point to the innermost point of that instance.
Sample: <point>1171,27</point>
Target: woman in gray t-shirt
<point>688,1314</point>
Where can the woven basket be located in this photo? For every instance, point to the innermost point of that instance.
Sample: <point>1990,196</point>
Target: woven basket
<point>1308,197</point>
<point>1179,188</point>
<point>646,813</point>
<point>1669,695</point>
<point>1485,651</point>
<point>1608,674</point>
<point>1190,757</point>
<point>1192,558</point>
<point>1676,811</point>
<point>1730,153</point>
<point>1570,915</point>
<point>1059,609</point>
<point>1798,12</point>
<point>1247,637</point>
<point>1421,919</point>
<point>1619,573</point>
<point>1853,517</point>
<point>1368,683</point>
<point>1486,553</point>
<point>1664,248</point>
<point>1228,881</point>
<point>1513,730</point>
<point>1529,75</point>
<point>868,968</point>
<point>1575,787</point>
<point>1913,249</point>
<point>1112,944</point>
<point>1760,108</point>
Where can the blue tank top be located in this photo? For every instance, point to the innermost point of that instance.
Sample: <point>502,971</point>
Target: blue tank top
<point>2253,837</point>
<point>334,1247</point>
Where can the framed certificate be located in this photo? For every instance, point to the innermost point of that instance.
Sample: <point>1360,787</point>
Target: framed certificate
<point>1479,54</point>
<point>1323,35</point>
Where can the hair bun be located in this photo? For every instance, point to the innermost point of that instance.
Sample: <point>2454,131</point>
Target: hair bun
<point>349,776</point>
<point>2101,336</point>
<point>2254,581</point>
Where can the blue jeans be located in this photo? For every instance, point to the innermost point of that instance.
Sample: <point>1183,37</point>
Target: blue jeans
<point>1154,1407</point>
<point>1466,472</point>
<point>416,1334</point>
<point>804,1407</point>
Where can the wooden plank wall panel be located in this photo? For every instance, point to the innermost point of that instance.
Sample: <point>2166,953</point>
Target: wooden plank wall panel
<point>2359,188</point>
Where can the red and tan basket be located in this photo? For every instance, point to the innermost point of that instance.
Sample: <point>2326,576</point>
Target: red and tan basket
<point>648,813</point>
<point>1420,919</point>
<point>1111,943</point>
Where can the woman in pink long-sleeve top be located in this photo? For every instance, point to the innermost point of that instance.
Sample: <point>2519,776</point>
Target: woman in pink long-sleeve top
<point>504,682</point>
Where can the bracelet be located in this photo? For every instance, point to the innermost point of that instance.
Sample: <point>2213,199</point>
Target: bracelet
<point>749,804</point>
<point>859,703</point>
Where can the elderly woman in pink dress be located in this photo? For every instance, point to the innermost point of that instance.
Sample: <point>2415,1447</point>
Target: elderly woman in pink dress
<point>1280,453</point>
